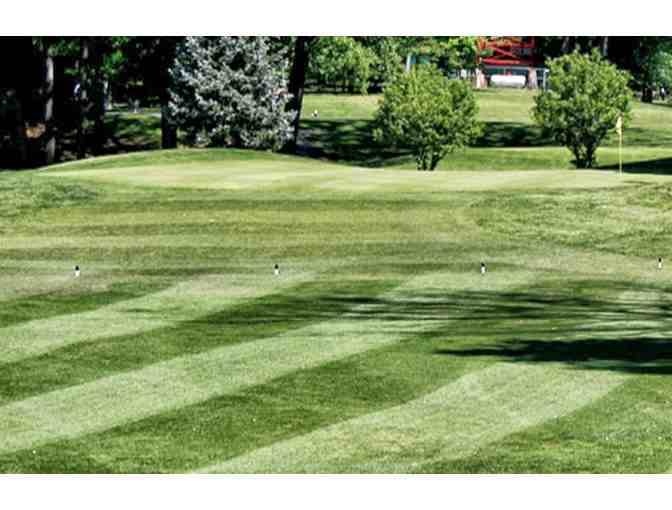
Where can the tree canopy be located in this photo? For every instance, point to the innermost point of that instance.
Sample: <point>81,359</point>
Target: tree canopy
<point>586,96</point>
<point>427,113</point>
<point>231,91</point>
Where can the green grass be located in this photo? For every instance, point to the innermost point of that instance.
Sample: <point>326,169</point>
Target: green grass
<point>511,141</point>
<point>379,348</point>
<point>343,133</point>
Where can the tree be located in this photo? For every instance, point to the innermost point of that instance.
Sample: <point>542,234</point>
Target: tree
<point>663,70</point>
<point>586,96</point>
<point>231,91</point>
<point>83,67</point>
<point>388,59</point>
<point>19,87</point>
<point>427,113</point>
<point>342,62</point>
<point>449,53</point>
<point>639,56</point>
<point>146,62</point>
<point>47,94</point>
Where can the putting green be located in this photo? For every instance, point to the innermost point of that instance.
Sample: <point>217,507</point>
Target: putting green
<point>310,176</point>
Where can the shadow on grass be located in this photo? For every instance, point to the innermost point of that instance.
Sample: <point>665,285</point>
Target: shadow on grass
<point>659,136</point>
<point>491,308</point>
<point>352,141</point>
<point>512,134</point>
<point>346,141</point>
<point>124,134</point>
<point>661,166</point>
<point>642,355</point>
<point>625,335</point>
<point>128,134</point>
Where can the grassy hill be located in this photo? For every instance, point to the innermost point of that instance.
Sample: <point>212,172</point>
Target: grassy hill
<point>379,348</point>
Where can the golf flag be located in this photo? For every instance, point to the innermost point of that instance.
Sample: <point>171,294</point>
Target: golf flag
<point>619,130</point>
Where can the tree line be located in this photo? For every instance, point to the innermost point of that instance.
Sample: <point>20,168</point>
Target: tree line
<point>59,85</point>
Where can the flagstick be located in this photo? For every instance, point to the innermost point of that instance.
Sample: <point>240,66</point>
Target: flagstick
<point>619,130</point>
<point>620,152</point>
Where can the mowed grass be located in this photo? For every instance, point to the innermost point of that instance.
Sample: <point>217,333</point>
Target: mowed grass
<point>238,170</point>
<point>379,348</point>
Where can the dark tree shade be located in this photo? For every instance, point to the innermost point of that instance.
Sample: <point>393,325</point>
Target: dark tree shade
<point>22,78</point>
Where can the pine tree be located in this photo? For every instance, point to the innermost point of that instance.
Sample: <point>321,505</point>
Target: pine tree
<point>231,91</point>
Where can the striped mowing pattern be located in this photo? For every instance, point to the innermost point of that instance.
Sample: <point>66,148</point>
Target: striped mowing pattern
<point>379,349</point>
<point>454,421</point>
<point>114,400</point>
<point>187,300</point>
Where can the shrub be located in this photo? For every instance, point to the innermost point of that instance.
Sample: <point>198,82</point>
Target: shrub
<point>427,113</point>
<point>586,95</point>
<point>342,62</point>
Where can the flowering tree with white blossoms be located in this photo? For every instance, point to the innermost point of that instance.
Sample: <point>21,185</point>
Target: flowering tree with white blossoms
<point>231,91</point>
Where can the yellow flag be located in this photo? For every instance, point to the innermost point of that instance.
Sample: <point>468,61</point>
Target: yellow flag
<point>619,125</point>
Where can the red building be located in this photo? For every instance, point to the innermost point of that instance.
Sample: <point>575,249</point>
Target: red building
<point>510,61</point>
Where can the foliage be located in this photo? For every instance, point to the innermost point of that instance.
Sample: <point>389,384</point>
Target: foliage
<point>586,96</point>
<point>342,62</point>
<point>424,111</point>
<point>388,58</point>
<point>662,69</point>
<point>642,57</point>
<point>231,91</point>
<point>448,53</point>
<point>144,74</point>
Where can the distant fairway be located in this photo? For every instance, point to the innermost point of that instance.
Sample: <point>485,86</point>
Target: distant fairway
<point>511,141</point>
<point>379,348</point>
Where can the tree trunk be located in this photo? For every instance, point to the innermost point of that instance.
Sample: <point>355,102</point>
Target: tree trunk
<point>48,95</point>
<point>566,44</point>
<point>604,46</point>
<point>422,159</point>
<point>297,82</point>
<point>168,129</point>
<point>647,95</point>
<point>83,99</point>
<point>590,157</point>
<point>20,135</point>
<point>97,95</point>
<point>166,47</point>
<point>435,161</point>
<point>18,86</point>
